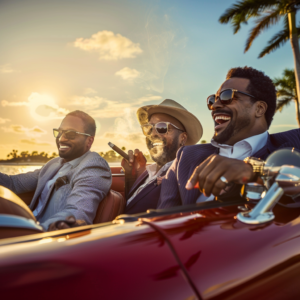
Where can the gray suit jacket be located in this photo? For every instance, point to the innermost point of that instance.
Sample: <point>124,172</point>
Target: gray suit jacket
<point>89,182</point>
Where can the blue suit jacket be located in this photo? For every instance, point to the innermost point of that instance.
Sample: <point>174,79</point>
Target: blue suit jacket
<point>173,191</point>
<point>147,198</point>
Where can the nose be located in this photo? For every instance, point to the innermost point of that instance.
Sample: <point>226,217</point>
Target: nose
<point>217,104</point>
<point>62,138</point>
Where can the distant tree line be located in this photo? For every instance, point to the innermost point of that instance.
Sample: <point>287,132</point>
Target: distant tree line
<point>35,157</point>
<point>112,156</point>
<point>25,156</point>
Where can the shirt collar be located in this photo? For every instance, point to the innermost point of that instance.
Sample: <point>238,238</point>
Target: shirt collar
<point>75,162</point>
<point>255,142</point>
<point>152,168</point>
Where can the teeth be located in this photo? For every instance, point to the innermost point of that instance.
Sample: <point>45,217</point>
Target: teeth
<point>222,118</point>
<point>157,144</point>
<point>63,147</point>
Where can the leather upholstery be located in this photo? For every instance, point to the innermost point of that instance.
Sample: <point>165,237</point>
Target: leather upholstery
<point>110,207</point>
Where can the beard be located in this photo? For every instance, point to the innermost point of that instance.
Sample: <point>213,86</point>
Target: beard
<point>165,153</point>
<point>232,129</point>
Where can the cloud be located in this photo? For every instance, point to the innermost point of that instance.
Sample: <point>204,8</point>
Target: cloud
<point>100,107</point>
<point>7,69</point>
<point>89,91</point>
<point>20,129</point>
<point>109,45</point>
<point>128,74</point>
<point>41,107</point>
<point>128,138</point>
<point>34,142</point>
<point>3,121</point>
<point>89,103</point>
<point>6,103</point>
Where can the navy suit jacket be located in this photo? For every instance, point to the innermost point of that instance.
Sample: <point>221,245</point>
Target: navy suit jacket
<point>147,198</point>
<point>173,191</point>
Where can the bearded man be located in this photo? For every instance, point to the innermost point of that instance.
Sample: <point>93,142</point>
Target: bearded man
<point>167,127</point>
<point>242,110</point>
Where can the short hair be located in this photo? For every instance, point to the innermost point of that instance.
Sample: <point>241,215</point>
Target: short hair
<point>89,122</point>
<point>260,86</point>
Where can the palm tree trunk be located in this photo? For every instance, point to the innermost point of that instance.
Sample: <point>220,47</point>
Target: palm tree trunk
<point>296,53</point>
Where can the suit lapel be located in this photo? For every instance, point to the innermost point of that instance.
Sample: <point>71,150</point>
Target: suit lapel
<point>145,191</point>
<point>138,182</point>
<point>43,180</point>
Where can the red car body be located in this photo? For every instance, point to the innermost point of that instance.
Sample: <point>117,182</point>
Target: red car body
<point>195,252</point>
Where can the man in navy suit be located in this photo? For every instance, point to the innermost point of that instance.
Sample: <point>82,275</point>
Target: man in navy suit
<point>167,127</point>
<point>242,110</point>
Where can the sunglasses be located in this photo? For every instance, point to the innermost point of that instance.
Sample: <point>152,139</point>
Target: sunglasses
<point>161,128</point>
<point>69,134</point>
<point>225,97</point>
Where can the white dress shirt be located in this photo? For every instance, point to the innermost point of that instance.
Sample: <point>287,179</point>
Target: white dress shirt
<point>239,150</point>
<point>152,175</point>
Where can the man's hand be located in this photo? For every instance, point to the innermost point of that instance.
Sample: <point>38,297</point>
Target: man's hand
<point>208,174</point>
<point>69,223</point>
<point>136,164</point>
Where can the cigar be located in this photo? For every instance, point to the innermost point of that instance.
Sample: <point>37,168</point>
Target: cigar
<point>119,151</point>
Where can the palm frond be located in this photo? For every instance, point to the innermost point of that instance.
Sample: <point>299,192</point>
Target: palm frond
<point>284,93</point>
<point>282,103</point>
<point>283,83</point>
<point>243,10</point>
<point>262,23</point>
<point>276,41</point>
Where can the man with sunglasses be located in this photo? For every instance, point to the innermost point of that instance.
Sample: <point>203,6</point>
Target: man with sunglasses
<point>167,127</point>
<point>69,188</point>
<point>242,111</point>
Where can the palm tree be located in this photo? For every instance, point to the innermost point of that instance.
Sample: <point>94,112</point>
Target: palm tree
<point>267,13</point>
<point>287,92</point>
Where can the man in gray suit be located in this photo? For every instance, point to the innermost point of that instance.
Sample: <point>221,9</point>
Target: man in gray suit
<point>69,187</point>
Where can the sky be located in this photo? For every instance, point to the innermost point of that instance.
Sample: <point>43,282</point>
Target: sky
<point>108,58</point>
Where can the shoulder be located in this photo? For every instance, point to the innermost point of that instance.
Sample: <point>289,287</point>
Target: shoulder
<point>286,135</point>
<point>199,150</point>
<point>94,159</point>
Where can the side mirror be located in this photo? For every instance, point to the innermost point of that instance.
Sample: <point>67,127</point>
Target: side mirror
<point>281,169</point>
<point>253,191</point>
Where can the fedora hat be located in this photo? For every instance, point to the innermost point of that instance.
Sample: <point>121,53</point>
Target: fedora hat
<point>170,107</point>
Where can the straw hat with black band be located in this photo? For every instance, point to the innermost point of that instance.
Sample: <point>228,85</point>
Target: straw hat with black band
<point>170,107</point>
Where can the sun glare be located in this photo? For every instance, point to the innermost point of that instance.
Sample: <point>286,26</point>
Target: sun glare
<point>44,107</point>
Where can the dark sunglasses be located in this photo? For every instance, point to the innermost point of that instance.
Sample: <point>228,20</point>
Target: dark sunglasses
<point>161,128</point>
<point>69,134</point>
<point>225,97</point>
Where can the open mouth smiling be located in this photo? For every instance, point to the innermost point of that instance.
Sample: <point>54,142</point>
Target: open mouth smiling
<point>221,120</point>
<point>63,147</point>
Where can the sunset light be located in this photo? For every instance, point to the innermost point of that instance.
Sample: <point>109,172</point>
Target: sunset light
<point>60,56</point>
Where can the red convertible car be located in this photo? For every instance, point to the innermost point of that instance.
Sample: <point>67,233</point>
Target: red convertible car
<point>232,248</point>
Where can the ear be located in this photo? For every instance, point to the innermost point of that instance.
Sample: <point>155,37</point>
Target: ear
<point>261,108</point>
<point>183,138</point>
<point>90,141</point>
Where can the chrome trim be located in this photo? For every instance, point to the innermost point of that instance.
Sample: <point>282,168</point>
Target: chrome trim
<point>10,221</point>
<point>261,212</point>
<point>253,191</point>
